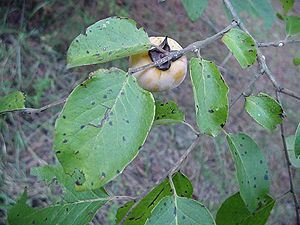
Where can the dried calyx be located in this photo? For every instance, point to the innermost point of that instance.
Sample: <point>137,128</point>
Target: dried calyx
<point>157,54</point>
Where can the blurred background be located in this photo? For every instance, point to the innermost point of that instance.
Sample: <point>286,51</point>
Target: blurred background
<point>34,38</point>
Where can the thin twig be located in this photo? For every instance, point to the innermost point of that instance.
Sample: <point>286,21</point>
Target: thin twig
<point>279,43</point>
<point>175,168</point>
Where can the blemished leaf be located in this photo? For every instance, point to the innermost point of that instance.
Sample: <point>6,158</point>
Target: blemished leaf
<point>242,46</point>
<point>264,110</point>
<point>290,142</point>
<point>234,211</point>
<point>12,101</point>
<point>292,25</point>
<point>210,94</point>
<point>177,210</point>
<point>102,126</point>
<point>75,207</point>
<point>194,8</point>
<point>261,9</point>
<point>287,5</point>
<point>168,113</point>
<point>142,211</point>
<point>251,168</point>
<point>296,61</point>
<point>297,142</point>
<point>106,40</point>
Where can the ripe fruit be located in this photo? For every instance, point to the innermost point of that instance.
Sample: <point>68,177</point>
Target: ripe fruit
<point>164,77</point>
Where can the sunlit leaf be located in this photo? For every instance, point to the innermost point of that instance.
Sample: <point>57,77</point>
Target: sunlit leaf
<point>12,101</point>
<point>292,25</point>
<point>287,5</point>
<point>142,211</point>
<point>194,8</point>
<point>168,113</point>
<point>290,142</point>
<point>106,40</point>
<point>296,61</point>
<point>210,94</point>
<point>242,46</point>
<point>251,168</point>
<point>175,210</point>
<point>264,110</point>
<point>234,211</point>
<point>103,124</point>
<point>75,207</point>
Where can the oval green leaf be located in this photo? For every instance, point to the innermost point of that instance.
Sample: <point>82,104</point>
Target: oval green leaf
<point>12,101</point>
<point>264,110</point>
<point>251,168</point>
<point>194,8</point>
<point>106,40</point>
<point>103,124</point>
<point>290,142</point>
<point>296,61</point>
<point>234,211</point>
<point>210,94</point>
<point>167,113</point>
<point>242,46</point>
<point>141,212</point>
<point>175,210</point>
<point>292,25</point>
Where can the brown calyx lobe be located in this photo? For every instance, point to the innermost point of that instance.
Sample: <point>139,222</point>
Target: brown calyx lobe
<point>156,54</point>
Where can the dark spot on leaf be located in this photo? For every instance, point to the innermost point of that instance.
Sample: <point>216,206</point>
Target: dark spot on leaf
<point>266,177</point>
<point>118,171</point>
<point>93,103</point>
<point>103,174</point>
<point>58,152</point>
<point>124,139</point>
<point>76,152</point>
<point>162,104</point>
<point>110,123</point>
<point>104,96</point>
<point>82,126</point>
<point>175,210</point>
<point>67,209</point>
<point>241,145</point>
<point>65,141</point>
<point>254,185</point>
<point>208,76</point>
<point>87,52</point>
<point>254,178</point>
<point>157,118</point>
<point>260,161</point>
<point>64,134</point>
<point>210,110</point>
<point>64,117</point>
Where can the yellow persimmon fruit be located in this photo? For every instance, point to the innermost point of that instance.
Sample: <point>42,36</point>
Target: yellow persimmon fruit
<point>164,77</point>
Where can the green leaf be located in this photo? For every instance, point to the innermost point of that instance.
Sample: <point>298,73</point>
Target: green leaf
<point>297,142</point>
<point>49,173</point>
<point>75,213</point>
<point>175,210</point>
<point>107,40</point>
<point>290,142</point>
<point>194,8</point>
<point>210,94</point>
<point>168,113</point>
<point>287,5</point>
<point>234,211</point>
<point>103,124</point>
<point>292,25</point>
<point>296,61</point>
<point>252,169</point>
<point>261,9</point>
<point>75,208</point>
<point>142,211</point>
<point>264,110</point>
<point>12,101</point>
<point>242,46</point>
<point>279,16</point>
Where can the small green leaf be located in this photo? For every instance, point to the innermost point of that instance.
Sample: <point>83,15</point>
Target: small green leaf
<point>234,211</point>
<point>242,46</point>
<point>102,126</point>
<point>142,211</point>
<point>264,110</point>
<point>287,5</point>
<point>292,25</point>
<point>194,8</point>
<point>297,142</point>
<point>210,94</point>
<point>279,16</point>
<point>75,208</point>
<point>12,101</point>
<point>106,40</point>
<point>252,170</point>
<point>290,142</point>
<point>296,61</point>
<point>167,113</point>
<point>177,210</point>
